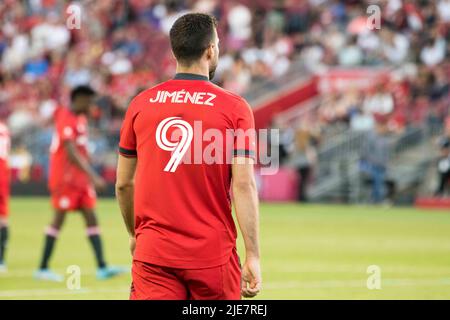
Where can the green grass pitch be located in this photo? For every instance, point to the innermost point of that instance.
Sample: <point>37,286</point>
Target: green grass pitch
<point>308,252</point>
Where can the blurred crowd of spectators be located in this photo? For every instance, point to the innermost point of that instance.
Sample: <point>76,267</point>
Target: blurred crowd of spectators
<point>412,41</point>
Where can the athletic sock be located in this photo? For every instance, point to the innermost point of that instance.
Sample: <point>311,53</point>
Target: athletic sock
<point>96,242</point>
<point>51,234</point>
<point>3,242</point>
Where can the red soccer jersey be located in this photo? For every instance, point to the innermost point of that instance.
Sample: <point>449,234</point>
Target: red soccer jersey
<point>183,211</point>
<point>68,127</point>
<point>5,142</point>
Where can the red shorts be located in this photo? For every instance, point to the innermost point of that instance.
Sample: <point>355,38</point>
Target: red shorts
<point>151,282</point>
<point>69,198</point>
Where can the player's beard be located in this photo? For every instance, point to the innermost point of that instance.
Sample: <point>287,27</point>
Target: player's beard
<point>212,71</point>
<point>211,74</point>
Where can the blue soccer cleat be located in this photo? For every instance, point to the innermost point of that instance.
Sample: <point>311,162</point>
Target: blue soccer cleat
<point>110,272</point>
<point>47,275</point>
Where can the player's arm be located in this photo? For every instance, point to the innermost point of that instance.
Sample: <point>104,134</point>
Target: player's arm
<point>247,213</point>
<point>126,168</point>
<point>77,159</point>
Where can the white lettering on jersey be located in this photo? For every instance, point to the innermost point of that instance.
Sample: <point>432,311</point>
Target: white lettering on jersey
<point>180,147</point>
<point>201,98</point>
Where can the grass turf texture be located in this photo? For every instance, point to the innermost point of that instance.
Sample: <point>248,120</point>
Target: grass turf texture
<point>308,252</point>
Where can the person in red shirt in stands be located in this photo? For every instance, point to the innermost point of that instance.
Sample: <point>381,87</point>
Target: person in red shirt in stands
<point>5,143</point>
<point>73,181</point>
<point>178,215</point>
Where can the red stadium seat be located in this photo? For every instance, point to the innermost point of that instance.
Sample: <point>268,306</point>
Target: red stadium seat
<point>37,173</point>
<point>109,174</point>
<point>282,186</point>
<point>432,203</point>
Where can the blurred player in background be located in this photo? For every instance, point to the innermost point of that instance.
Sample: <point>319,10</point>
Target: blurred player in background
<point>182,233</point>
<point>73,181</point>
<point>4,192</point>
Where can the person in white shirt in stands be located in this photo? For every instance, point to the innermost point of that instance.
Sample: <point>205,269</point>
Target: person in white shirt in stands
<point>381,101</point>
<point>433,52</point>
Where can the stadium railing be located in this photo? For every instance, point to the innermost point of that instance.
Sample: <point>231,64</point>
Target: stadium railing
<point>338,172</point>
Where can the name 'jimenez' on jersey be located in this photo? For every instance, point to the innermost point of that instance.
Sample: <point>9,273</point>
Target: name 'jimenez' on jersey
<point>182,211</point>
<point>183,96</point>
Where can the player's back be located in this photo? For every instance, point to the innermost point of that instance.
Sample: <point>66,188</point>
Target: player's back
<point>180,132</point>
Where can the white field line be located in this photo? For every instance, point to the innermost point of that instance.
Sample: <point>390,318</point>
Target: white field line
<point>323,268</point>
<point>307,268</point>
<point>29,273</point>
<point>361,283</point>
<point>58,292</point>
<point>268,286</point>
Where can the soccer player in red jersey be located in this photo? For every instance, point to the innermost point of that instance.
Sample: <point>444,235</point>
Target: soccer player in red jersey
<point>178,214</point>
<point>73,181</point>
<point>5,142</point>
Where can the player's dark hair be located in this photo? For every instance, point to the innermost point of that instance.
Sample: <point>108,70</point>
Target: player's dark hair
<point>82,90</point>
<point>190,36</point>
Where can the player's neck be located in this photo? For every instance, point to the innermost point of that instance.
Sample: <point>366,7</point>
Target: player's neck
<point>193,69</point>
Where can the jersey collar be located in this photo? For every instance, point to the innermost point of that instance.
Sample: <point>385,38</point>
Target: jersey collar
<point>190,76</point>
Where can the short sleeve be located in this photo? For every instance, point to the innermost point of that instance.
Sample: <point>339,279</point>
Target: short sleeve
<point>245,133</point>
<point>127,144</point>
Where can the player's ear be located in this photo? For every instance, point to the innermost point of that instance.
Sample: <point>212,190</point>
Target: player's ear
<point>210,52</point>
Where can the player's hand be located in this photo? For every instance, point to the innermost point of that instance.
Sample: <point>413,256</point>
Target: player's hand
<point>251,278</point>
<point>132,245</point>
<point>99,183</point>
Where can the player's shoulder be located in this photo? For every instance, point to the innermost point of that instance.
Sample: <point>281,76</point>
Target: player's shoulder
<point>228,95</point>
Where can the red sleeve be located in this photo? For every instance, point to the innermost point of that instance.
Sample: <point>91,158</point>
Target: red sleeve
<point>65,126</point>
<point>245,133</point>
<point>127,144</point>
